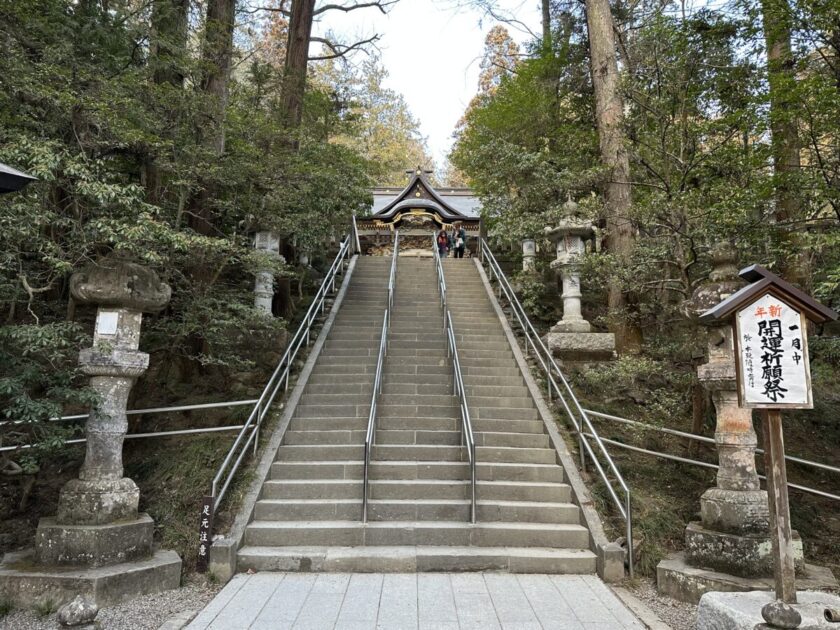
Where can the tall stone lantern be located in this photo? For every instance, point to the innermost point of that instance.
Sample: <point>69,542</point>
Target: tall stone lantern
<point>269,243</point>
<point>529,255</point>
<point>98,544</point>
<point>572,337</point>
<point>732,535</point>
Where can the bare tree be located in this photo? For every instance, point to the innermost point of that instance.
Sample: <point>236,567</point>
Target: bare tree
<point>302,15</point>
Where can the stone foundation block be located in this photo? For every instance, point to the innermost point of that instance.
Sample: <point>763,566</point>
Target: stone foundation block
<point>93,545</point>
<point>677,579</point>
<point>25,583</point>
<point>742,611</point>
<point>581,346</point>
<point>744,556</point>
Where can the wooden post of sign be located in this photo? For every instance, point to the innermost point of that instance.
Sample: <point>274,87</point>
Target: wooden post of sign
<point>777,498</point>
<point>205,534</point>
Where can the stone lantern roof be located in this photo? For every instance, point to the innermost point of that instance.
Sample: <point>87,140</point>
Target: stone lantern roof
<point>120,283</point>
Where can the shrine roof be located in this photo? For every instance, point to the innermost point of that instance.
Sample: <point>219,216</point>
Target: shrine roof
<point>450,203</point>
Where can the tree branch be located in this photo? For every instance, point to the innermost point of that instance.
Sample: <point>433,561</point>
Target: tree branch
<point>341,50</point>
<point>382,5</point>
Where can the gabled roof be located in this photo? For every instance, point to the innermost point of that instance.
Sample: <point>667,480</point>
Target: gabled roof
<point>12,179</point>
<point>419,193</point>
<point>764,281</point>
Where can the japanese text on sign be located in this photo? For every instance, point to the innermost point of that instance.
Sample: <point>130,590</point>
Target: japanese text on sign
<point>773,365</point>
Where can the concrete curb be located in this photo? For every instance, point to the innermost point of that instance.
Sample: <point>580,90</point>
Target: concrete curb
<point>610,556</point>
<point>223,552</point>
<point>640,609</point>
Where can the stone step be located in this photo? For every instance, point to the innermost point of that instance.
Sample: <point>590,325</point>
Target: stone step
<point>330,361</point>
<point>325,437</point>
<point>484,369</point>
<point>419,489</point>
<point>420,453</point>
<point>502,413</point>
<point>387,437</point>
<point>312,489</point>
<point>507,402</point>
<point>338,469</point>
<point>352,469</point>
<point>523,440</point>
<point>390,559</point>
<point>303,453</point>
<point>515,455</point>
<point>415,510</point>
<point>481,425</point>
<point>335,399</point>
<point>330,411</point>
<point>400,533</point>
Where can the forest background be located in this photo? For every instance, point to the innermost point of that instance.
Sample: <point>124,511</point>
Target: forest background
<point>169,130</point>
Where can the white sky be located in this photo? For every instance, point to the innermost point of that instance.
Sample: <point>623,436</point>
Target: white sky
<point>432,53</point>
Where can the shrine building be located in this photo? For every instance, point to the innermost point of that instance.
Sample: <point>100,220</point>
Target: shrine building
<point>418,211</point>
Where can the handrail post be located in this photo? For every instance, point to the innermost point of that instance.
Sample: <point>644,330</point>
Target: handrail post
<point>629,535</point>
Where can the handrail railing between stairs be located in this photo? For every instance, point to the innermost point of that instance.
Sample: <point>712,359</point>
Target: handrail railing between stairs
<point>562,391</point>
<point>467,435</point>
<point>370,435</point>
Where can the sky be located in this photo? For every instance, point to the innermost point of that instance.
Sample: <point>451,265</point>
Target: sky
<point>432,51</point>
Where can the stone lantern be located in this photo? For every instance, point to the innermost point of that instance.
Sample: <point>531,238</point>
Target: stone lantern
<point>269,243</point>
<point>98,544</point>
<point>572,337</point>
<point>732,535</point>
<point>529,255</point>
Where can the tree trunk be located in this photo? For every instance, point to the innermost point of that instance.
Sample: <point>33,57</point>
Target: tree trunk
<point>217,51</point>
<point>609,115</point>
<point>784,131</point>
<point>297,57</point>
<point>168,40</point>
<point>546,27</point>
<point>167,47</point>
<point>216,56</point>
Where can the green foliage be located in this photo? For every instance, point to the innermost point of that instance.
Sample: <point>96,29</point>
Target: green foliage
<point>660,392</point>
<point>38,380</point>
<point>132,163</point>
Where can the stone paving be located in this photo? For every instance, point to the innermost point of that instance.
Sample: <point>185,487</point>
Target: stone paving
<point>424,601</point>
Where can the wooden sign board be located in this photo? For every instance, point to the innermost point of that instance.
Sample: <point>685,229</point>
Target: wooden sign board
<point>772,355</point>
<point>205,534</point>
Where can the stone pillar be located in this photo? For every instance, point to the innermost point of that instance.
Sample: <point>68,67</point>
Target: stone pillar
<point>572,337</point>
<point>269,243</point>
<point>529,255</point>
<point>97,521</point>
<point>732,535</point>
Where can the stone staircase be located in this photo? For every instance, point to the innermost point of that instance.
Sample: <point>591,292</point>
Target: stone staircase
<point>308,516</point>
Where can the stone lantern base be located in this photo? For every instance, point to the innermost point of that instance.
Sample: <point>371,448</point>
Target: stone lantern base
<point>25,582</point>
<point>680,580</point>
<point>580,346</point>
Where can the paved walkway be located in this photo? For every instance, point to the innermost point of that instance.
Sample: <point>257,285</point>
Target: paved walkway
<point>424,601</point>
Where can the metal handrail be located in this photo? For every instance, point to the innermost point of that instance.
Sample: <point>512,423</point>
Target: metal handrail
<point>370,435</point>
<point>136,412</point>
<point>355,236</point>
<point>249,435</point>
<point>705,439</point>
<point>552,374</point>
<point>374,399</point>
<point>696,462</point>
<point>467,435</point>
